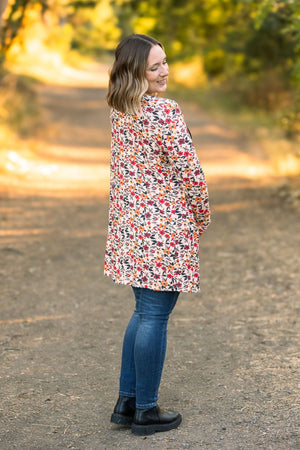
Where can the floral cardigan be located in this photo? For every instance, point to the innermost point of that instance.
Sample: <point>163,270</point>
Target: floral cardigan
<point>158,200</point>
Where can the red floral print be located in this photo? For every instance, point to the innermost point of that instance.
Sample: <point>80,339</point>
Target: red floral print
<point>158,200</point>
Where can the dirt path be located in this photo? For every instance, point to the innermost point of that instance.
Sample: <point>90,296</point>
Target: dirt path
<point>232,365</point>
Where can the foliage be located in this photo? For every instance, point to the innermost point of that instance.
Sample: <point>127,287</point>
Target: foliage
<point>18,106</point>
<point>249,49</point>
<point>94,27</point>
<point>88,26</point>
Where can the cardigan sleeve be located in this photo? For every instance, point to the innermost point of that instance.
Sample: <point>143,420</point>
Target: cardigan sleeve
<point>180,151</point>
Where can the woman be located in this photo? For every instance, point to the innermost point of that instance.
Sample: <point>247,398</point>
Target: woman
<point>158,209</point>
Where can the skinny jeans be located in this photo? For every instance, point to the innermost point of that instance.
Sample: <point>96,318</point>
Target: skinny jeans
<point>144,346</point>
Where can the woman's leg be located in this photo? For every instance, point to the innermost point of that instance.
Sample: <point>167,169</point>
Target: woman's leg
<point>153,309</point>
<point>143,355</point>
<point>125,407</point>
<point>147,324</point>
<point>127,376</point>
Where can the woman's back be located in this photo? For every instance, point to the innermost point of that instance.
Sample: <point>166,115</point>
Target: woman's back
<point>158,199</point>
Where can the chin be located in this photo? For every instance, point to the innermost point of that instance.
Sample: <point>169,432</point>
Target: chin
<point>159,90</point>
<point>162,89</point>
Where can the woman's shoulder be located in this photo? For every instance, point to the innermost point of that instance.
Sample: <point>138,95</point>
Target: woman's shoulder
<point>152,103</point>
<point>151,106</point>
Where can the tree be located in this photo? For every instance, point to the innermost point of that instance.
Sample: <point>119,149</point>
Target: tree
<point>3,5</point>
<point>14,21</point>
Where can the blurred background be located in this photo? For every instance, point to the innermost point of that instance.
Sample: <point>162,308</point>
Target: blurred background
<point>233,372</point>
<point>239,60</point>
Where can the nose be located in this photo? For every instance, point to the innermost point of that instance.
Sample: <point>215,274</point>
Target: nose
<point>165,71</point>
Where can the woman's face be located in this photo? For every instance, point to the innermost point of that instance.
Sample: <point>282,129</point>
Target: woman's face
<point>157,71</point>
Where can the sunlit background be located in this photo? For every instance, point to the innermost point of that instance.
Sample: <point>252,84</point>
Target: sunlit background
<point>234,347</point>
<point>238,61</point>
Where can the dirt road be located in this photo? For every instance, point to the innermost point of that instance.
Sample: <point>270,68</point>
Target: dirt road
<point>232,364</point>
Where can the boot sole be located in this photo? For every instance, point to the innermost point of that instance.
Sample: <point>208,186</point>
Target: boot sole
<point>145,430</point>
<point>120,419</point>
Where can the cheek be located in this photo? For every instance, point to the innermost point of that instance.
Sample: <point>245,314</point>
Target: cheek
<point>150,76</point>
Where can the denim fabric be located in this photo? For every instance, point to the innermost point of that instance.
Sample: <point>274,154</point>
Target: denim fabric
<point>144,346</point>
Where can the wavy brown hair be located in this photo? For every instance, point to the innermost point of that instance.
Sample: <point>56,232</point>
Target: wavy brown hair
<point>127,81</point>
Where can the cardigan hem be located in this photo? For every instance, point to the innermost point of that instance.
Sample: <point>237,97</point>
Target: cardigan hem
<point>134,283</point>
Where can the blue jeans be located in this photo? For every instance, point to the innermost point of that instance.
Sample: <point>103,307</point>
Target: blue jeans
<point>144,346</point>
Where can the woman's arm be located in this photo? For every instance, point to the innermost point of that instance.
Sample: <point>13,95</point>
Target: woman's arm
<point>179,148</point>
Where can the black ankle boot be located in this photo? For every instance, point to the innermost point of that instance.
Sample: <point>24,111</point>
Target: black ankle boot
<point>124,411</point>
<point>148,421</point>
